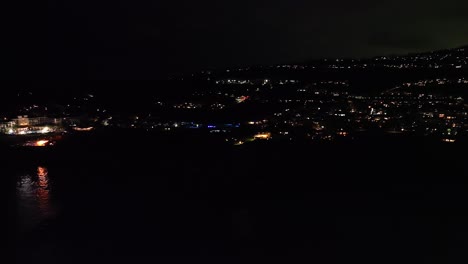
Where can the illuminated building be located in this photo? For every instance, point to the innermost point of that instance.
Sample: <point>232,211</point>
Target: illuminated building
<point>23,125</point>
<point>83,128</point>
<point>42,143</point>
<point>265,135</point>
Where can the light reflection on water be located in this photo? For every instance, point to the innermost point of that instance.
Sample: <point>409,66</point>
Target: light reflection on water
<point>33,196</point>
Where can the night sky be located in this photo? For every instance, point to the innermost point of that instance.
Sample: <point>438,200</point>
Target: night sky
<point>149,39</point>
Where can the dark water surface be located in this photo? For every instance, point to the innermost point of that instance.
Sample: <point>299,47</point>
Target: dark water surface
<point>173,202</point>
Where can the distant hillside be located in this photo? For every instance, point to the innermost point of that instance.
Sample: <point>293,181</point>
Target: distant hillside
<point>365,75</point>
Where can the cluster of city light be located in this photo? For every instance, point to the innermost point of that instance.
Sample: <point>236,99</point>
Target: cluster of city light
<point>28,131</point>
<point>234,81</point>
<point>242,99</point>
<point>188,105</point>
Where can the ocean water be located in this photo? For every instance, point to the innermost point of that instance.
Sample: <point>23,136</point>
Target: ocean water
<point>173,203</point>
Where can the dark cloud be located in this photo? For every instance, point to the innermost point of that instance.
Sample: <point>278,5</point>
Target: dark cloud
<point>150,39</point>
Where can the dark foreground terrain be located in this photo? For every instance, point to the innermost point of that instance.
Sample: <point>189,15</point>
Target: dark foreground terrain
<point>132,198</point>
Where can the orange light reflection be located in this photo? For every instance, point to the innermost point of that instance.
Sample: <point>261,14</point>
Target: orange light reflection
<point>43,196</point>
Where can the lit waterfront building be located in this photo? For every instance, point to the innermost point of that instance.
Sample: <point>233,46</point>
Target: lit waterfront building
<point>23,125</point>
